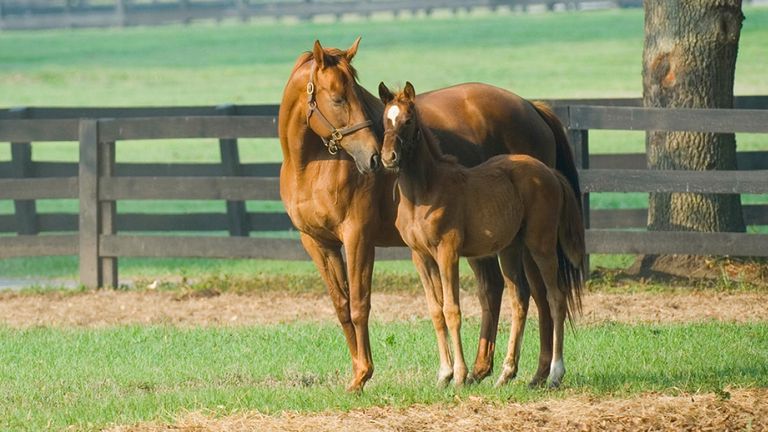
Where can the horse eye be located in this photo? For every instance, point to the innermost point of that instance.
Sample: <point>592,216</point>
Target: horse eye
<point>337,101</point>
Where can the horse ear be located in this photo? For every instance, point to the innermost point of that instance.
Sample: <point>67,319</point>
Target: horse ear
<point>385,95</point>
<point>351,51</point>
<point>319,54</point>
<point>409,91</point>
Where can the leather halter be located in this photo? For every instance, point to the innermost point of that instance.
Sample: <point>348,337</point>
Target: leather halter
<point>333,144</point>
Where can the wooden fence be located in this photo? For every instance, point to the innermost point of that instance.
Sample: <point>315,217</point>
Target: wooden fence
<point>39,14</point>
<point>98,182</point>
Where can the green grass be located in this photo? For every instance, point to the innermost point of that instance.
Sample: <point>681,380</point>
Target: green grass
<point>553,55</point>
<point>54,378</point>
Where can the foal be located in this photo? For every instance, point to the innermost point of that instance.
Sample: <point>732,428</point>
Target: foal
<point>447,211</point>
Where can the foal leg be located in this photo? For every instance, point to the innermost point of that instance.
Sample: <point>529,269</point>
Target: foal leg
<point>330,264</point>
<point>430,280</point>
<point>490,287</point>
<point>546,329</point>
<point>547,264</point>
<point>448,262</point>
<point>511,266</point>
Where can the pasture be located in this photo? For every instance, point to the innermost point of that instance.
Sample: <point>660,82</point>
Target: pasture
<point>219,350</point>
<point>594,54</point>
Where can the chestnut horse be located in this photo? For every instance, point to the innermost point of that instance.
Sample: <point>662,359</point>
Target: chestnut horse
<point>330,131</point>
<point>446,211</point>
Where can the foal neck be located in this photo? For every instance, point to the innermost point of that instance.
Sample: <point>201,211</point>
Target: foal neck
<point>420,164</point>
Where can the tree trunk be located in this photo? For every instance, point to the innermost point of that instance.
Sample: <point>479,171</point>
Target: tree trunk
<point>689,61</point>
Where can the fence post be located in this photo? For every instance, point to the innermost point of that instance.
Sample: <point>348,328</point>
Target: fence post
<point>120,13</point>
<point>21,162</point>
<point>107,210</point>
<point>88,178</point>
<point>579,139</point>
<point>237,217</point>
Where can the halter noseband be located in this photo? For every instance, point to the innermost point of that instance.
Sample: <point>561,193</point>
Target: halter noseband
<point>333,144</point>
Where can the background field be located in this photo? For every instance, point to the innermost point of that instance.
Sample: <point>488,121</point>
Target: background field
<point>561,55</point>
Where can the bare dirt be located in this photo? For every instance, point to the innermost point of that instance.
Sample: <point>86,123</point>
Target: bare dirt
<point>108,307</point>
<point>734,410</point>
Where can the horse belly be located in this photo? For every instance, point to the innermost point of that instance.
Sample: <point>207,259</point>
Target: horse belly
<point>492,223</point>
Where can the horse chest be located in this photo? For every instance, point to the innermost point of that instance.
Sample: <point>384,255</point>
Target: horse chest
<point>421,226</point>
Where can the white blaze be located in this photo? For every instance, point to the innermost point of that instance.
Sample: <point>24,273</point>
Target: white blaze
<point>392,114</point>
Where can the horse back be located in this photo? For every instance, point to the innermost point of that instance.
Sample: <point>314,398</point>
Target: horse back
<point>476,121</point>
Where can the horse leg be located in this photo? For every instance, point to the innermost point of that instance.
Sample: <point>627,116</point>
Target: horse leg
<point>448,263</point>
<point>330,264</point>
<point>511,267</point>
<point>360,254</point>
<point>547,264</point>
<point>546,329</point>
<point>490,287</point>
<point>430,280</point>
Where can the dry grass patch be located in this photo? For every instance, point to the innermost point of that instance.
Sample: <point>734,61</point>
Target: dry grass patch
<point>108,307</point>
<point>726,411</point>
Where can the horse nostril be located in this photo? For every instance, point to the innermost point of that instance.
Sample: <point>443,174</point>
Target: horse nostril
<point>394,156</point>
<point>375,159</point>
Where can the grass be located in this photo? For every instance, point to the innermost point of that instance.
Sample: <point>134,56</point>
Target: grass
<point>54,378</point>
<point>553,55</point>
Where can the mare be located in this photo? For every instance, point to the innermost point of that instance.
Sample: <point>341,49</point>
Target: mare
<point>446,210</point>
<point>330,131</point>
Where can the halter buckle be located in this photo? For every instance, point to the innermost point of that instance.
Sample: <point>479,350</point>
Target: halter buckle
<point>336,136</point>
<point>333,146</point>
<point>310,88</point>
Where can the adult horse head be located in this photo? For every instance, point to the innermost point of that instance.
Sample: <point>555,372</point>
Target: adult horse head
<point>323,87</point>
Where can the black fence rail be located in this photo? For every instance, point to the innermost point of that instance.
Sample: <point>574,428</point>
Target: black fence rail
<point>30,14</point>
<point>100,235</point>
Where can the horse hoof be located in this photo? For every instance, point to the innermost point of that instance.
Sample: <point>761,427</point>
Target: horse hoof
<point>537,382</point>
<point>444,380</point>
<point>355,387</point>
<point>507,375</point>
<point>460,378</point>
<point>478,375</point>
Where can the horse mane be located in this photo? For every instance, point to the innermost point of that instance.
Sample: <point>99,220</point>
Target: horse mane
<point>433,143</point>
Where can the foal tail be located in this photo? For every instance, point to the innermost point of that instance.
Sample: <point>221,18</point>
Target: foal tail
<point>570,248</point>
<point>564,160</point>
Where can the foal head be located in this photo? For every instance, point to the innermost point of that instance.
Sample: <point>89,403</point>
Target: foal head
<point>400,124</point>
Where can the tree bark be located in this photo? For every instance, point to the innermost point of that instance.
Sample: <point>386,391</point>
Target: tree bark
<point>689,61</point>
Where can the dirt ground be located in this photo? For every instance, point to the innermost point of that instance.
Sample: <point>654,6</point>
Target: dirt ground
<point>736,410</point>
<point>108,307</point>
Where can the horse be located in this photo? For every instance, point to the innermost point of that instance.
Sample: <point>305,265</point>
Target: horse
<point>330,132</point>
<point>446,211</point>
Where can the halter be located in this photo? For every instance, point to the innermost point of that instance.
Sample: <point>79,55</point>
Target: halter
<point>333,144</point>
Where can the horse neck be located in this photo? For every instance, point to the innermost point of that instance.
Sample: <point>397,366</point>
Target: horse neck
<point>418,169</point>
<point>300,145</point>
<point>373,109</point>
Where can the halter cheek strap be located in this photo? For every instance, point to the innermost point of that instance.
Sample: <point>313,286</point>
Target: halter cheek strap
<point>333,143</point>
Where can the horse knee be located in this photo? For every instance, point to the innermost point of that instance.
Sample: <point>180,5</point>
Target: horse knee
<point>452,315</point>
<point>359,315</point>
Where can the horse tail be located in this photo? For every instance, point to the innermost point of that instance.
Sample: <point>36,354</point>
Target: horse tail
<point>570,248</point>
<point>564,160</point>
